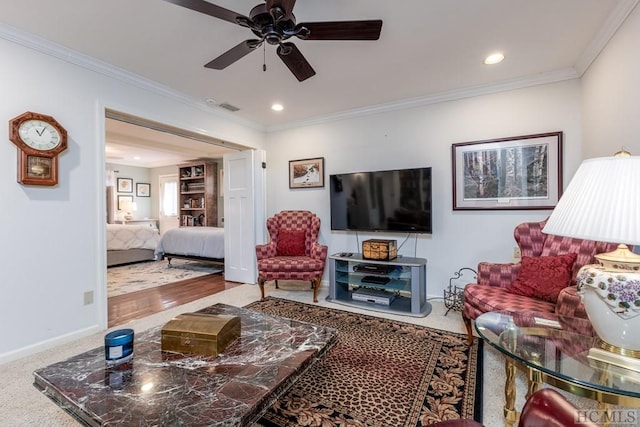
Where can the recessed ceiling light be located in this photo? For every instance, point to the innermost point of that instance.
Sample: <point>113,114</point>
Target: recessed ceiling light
<point>277,107</point>
<point>494,58</point>
<point>210,101</point>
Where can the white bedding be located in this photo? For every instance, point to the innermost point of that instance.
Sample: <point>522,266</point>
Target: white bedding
<point>206,242</point>
<point>121,236</point>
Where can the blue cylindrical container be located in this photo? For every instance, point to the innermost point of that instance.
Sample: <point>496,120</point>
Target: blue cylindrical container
<point>118,346</point>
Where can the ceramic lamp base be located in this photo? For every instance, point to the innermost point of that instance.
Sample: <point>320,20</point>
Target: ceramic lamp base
<point>612,303</point>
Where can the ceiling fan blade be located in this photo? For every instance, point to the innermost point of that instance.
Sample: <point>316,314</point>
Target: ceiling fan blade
<point>295,61</point>
<point>232,55</point>
<point>210,9</point>
<point>285,5</point>
<point>343,30</point>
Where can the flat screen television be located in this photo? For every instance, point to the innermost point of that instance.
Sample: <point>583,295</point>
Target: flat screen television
<point>391,200</point>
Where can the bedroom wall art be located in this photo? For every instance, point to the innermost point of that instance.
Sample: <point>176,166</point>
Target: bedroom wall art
<point>125,185</point>
<point>143,189</point>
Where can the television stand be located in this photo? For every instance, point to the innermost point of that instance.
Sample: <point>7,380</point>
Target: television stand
<point>399,285</point>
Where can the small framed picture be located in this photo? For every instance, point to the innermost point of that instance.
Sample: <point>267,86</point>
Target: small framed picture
<point>125,185</point>
<point>125,203</point>
<point>306,173</point>
<point>143,189</point>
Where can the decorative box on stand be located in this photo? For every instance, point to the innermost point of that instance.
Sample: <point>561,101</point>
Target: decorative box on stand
<point>383,250</point>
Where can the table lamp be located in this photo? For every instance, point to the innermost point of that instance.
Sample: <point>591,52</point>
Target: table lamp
<point>602,203</point>
<point>128,207</point>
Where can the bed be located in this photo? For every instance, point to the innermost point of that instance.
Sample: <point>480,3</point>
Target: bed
<point>194,243</point>
<point>127,244</point>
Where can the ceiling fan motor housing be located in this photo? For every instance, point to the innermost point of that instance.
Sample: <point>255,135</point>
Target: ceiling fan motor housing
<point>269,25</point>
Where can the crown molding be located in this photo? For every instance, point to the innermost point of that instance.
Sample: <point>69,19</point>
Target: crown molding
<point>615,19</point>
<point>63,53</point>
<point>470,92</point>
<point>611,25</point>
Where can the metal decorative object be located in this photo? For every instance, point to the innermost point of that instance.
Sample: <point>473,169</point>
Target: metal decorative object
<point>453,294</point>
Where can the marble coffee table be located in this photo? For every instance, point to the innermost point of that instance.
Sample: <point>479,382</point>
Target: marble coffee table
<point>162,388</point>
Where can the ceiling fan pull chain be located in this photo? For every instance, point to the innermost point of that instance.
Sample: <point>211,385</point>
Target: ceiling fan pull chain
<point>264,58</point>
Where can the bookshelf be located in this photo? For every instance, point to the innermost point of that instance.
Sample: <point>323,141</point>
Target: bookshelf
<point>197,196</point>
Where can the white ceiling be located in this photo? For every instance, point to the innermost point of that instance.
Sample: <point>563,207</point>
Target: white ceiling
<point>428,49</point>
<point>134,145</point>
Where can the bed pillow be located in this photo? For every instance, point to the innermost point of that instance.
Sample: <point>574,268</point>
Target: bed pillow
<point>543,277</point>
<point>290,242</point>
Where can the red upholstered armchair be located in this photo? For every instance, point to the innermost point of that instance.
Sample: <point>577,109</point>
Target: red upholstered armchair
<point>491,292</point>
<point>293,252</point>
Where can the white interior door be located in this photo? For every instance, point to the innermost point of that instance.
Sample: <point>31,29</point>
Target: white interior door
<point>244,213</point>
<point>168,209</point>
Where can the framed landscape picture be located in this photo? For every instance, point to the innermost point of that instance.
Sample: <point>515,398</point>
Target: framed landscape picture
<point>522,172</point>
<point>306,173</point>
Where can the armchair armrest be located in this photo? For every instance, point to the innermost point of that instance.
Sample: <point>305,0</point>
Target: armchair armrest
<point>318,251</point>
<point>497,274</point>
<point>268,250</point>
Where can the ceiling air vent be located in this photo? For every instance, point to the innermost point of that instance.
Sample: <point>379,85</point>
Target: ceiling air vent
<point>229,107</point>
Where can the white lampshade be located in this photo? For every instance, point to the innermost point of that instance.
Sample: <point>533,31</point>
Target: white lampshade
<point>602,202</point>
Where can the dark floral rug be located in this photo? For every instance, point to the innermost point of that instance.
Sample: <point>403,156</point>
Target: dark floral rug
<point>380,373</point>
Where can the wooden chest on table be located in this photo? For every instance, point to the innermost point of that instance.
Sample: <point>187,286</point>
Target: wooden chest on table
<point>203,334</point>
<point>378,249</point>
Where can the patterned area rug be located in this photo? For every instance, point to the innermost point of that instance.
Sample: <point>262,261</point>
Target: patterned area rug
<point>380,373</point>
<point>144,275</point>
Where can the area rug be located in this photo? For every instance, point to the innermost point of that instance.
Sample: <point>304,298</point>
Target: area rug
<point>145,275</point>
<point>380,373</point>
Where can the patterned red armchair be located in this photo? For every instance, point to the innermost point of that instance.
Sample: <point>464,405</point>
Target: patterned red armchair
<point>293,252</point>
<point>491,292</point>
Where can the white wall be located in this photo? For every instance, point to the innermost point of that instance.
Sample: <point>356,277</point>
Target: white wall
<point>611,94</point>
<point>53,247</point>
<point>47,267</point>
<point>138,175</point>
<point>423,137</point>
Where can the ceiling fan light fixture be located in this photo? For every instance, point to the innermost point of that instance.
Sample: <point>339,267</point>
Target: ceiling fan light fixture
<point>277,107</point>
<point>494,58</point>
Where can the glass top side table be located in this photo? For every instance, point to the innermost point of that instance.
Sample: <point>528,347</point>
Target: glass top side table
<point>553,349</point>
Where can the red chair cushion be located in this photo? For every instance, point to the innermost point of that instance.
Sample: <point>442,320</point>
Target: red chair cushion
<point>543,277</point>
<point>290,263</point>
<point>480,299</point>
<point>291,242</point>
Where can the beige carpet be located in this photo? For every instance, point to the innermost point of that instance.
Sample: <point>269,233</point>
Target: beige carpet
<point>145,275</point>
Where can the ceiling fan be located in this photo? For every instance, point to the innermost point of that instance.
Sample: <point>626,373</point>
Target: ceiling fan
<point>273,22</point>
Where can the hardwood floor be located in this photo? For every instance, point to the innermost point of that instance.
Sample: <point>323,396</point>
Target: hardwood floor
<point>123,308</point>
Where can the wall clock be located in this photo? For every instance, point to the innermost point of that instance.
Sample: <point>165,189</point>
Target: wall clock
<point>40,139</point>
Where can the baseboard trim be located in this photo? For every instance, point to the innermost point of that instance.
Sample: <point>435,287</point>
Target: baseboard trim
<point>30,350</point>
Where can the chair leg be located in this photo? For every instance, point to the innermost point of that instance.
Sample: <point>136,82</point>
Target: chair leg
<point>261,281</point>
<point>467,324</point>
<point>315,284</point>
<point>276,284</point>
